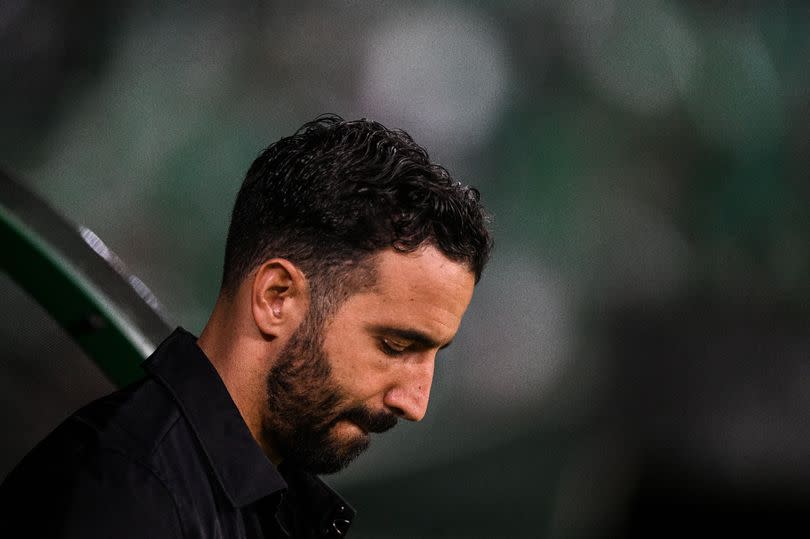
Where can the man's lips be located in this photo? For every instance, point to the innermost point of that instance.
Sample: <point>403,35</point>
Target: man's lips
<point>368,421</point>
<point>358,425</point>
<point>379,428</point>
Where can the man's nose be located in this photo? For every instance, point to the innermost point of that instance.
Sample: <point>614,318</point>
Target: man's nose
<point>408,398</point>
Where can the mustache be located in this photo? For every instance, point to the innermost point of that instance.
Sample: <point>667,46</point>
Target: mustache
<point>370,421</point>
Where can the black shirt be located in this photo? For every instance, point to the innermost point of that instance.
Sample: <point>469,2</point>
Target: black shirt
<point>169,456</point>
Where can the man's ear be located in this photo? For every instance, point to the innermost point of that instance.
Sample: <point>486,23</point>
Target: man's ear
<point>279,297</point>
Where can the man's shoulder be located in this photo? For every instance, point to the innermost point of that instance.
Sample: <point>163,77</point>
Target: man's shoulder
<point>133,421</point>
<point>131,424</point>
<point>107,456</point>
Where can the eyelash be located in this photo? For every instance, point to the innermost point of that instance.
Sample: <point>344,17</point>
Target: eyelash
<point>390,350</point>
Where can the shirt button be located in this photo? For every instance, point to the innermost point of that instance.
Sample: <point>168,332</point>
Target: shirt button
<point>340,526</point>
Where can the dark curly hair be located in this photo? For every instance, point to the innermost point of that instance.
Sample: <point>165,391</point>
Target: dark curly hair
<point>336,192</point>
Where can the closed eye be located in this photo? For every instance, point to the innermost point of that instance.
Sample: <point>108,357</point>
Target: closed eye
<point>397,340</point>
<point>394,347</point>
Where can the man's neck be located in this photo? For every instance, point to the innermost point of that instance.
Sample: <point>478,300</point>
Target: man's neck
<point>237,358</point>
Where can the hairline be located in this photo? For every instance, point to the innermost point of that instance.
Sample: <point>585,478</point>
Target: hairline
<point>324,304</point>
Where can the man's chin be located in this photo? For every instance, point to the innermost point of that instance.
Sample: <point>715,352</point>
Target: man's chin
<point>330,452</point>
<point>337,455</point>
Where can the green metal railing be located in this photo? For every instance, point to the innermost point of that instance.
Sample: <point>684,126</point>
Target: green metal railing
<point>80,282</point>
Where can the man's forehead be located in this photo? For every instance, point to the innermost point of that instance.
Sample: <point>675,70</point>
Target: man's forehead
<point>416,290</point>
<point>392,267</point>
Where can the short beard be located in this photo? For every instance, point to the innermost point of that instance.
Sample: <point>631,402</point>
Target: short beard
<point>304,405</point>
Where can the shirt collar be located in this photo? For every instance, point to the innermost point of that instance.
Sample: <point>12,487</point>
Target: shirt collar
<point>324,508</point>
<point>241,467</point>
<point>243,470</point>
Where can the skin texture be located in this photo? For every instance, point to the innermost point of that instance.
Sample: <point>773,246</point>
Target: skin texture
<point>313,394</point>
<point>306,404</point>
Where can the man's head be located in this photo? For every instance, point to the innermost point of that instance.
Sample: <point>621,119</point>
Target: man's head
<point>360,256</point>
<point>336,192</point>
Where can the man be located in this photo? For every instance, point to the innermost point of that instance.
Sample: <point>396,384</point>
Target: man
<point>349,263</point>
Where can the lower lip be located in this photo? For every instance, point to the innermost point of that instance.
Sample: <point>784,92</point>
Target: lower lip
<point>354,426</point>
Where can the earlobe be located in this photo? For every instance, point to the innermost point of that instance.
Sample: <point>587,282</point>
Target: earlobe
<point>278,296</point>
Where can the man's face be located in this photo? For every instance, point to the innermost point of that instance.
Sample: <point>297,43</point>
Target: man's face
<point>371,363</point>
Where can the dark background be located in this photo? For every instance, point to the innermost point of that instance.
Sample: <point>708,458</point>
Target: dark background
<point>635,361</point>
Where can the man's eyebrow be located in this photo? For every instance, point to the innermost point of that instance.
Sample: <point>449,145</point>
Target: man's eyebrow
<point>422,339</point>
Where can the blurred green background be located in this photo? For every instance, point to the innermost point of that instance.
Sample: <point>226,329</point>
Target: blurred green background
<point>636,352</point>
